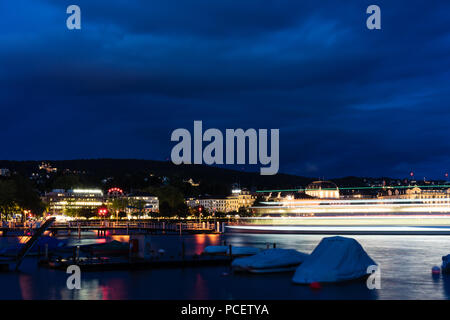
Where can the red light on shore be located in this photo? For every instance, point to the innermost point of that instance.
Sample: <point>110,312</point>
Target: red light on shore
<point>102,211</point>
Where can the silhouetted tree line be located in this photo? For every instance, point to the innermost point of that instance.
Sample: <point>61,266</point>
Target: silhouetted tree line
<point>18,194</point>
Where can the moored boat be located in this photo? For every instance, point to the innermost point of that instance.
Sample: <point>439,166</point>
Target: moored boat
<point>270,261</point>
<point>335,259</point>
<point>113,248</point>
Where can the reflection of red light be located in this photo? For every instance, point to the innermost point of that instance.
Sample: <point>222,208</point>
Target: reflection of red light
<point>411,174</point>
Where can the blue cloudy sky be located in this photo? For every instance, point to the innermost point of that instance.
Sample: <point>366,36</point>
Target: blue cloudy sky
<point>347,100</point>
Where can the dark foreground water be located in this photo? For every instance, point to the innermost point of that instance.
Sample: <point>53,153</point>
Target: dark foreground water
<point>405,262</point>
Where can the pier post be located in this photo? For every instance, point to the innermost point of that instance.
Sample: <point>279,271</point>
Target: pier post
<point>274,245</point>
<point>223,227</point>
<point>78,253</point>
<point>46,251</point>
<point>231,252</point>
<point>79,231</point>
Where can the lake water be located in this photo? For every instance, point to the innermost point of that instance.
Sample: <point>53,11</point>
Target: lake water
<point>405,263</point>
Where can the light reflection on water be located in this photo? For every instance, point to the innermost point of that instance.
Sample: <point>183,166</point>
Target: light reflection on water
<point>405,262</point>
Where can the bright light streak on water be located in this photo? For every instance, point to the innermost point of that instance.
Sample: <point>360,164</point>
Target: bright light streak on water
<point>331,229</point>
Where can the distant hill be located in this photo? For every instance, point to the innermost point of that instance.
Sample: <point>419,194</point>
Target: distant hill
<point>137,174</point>
<point>103,168</point>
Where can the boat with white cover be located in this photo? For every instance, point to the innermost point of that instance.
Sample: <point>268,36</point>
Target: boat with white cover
<point>270,261</point>
<point>335,259</point>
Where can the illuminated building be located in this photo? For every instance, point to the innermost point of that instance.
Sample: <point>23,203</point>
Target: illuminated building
<point>142,201</point>
<point>241,198</point>
<point>428,195</point>
<point>47,167</point>
<point>60,201</point>
<point>211,204</point>
<point>238,199</point>
<point>322,190</point>
<point>191,182</point>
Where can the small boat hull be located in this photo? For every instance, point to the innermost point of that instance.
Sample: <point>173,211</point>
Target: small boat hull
<point>279,269</point>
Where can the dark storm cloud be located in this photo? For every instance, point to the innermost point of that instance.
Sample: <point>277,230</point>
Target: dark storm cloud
<point>347,100</point>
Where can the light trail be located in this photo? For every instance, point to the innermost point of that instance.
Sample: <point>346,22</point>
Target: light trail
<point>358,188</point>
<point>427,205</point>
<point>321,202</point>
<point>399,230</point>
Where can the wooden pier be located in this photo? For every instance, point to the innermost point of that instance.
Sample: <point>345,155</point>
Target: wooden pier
<point>104,228</point>
<point>7,263</point>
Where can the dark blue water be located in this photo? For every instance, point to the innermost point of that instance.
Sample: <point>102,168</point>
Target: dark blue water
<point>405,262</point>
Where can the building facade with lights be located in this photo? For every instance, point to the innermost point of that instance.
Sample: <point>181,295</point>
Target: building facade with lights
<point>146,202</point>
<point>238,199</point>
<point>441,195</point>
<point>61,201</point>
<point>322,190</point>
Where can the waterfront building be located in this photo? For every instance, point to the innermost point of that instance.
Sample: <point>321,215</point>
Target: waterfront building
<point>241,199</point>
<point>141,201</point>
<point>232,203</point>
<point>323,190</point>
<point>436,195</point>
<point>61,201</point>
<point>211,204</point>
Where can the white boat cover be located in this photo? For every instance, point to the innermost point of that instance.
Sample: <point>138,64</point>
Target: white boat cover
<point>270,259</point>
<point>334,259</point>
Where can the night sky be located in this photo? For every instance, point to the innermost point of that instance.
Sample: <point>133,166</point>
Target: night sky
<point>347,100</point>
